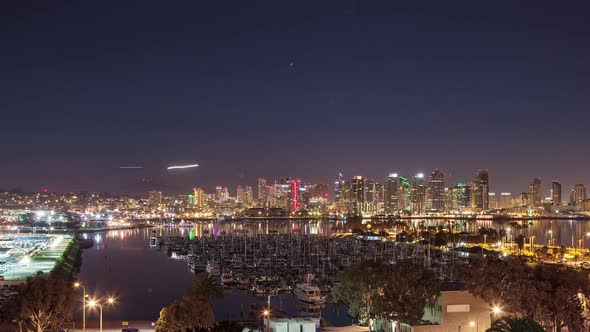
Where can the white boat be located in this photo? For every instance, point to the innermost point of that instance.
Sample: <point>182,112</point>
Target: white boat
<point>309,293</point>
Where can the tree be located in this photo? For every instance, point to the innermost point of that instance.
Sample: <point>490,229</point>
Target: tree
<point>406,292</point>
<point>190,313</point>
<point>227,326</point>
<point>204,286</point>
<point>552,295</point>
<point>44,303</point>
<point>194,310</point>
<point>513,324</point>
<point>358,287</point>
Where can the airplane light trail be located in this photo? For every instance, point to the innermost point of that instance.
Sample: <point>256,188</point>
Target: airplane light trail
<point>131,167</point>
<point>183,166</point>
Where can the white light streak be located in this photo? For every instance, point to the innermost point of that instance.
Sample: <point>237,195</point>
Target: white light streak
<point>183,166</point>
<point>131,167</point>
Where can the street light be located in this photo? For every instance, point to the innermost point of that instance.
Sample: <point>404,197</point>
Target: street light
<point>94,303</point>
<point>266,319</point>
<point>496,310</point>
<point>77,284</point>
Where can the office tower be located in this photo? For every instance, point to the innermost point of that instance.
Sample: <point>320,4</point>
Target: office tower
<point>218,193</point>
<point>481,190</point>
<point>524,199</point>
<point>418,195</point>
<point>317,190</point>
<point>337,191</point>
<point>493,201</point>
<point>506,200</point>
<point>199,197</point>
<point>555,193</point>
<point>262,192</point>
<point>357,194</point>
<point>578,195</point>
<point>239,194</point>
<point>155,198</point>
<point>391,190</point>
<point>224,194</point>
<point>248,196</point>
<point>378,196</point>
<point>461,193</point>
<point>294,198</point>
<point>405,194</point>
<point>369,191</point>
<point>345,201</point>
<point>535,192</point>
<point>436,191</point>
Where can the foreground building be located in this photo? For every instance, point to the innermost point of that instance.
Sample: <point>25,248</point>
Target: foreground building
<point>456,310</point>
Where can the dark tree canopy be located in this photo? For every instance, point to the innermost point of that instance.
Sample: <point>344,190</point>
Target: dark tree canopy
<point>550,294</point>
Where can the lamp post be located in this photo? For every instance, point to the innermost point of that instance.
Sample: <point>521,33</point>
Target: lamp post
<point>266,319</point>
<point>94,303</point>
<point>77,284</point>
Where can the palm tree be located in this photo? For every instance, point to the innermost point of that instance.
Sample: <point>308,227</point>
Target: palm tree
<point>515,324</point>
<point>203,286</point>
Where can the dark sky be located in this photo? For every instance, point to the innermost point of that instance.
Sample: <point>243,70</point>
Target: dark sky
<point>301,89</point>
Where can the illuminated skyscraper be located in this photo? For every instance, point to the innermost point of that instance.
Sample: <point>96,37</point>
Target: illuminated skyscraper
<point>493,201</point>
<point>418,196</point>
<point>357,194</point>
<point>239,194</point>
<point>199,197</point>
<point>555,193</point>
<point>461,193</point>
<point>262,192</point>
<point>155,198</point>
<point>481,190</point>
<point>506,200</point>
<point>436,191</point>
<point>535,196</point>
<point>391,190</point>
<point>578,195</point>
<point>248,196</point>
<point>294,200</point>
<point>218,193</point>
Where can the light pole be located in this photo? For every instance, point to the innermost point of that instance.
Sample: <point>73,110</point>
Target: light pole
<point>93,303</point>
<point>266,319</point>
<point>78,285</point>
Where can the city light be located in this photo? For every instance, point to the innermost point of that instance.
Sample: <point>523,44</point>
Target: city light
<point>496,310</point>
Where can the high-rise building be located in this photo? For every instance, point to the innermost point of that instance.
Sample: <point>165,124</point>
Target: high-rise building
<point>294,200</point>
<point>224,194</point>
<point>345,201</point>
<point>481,190</point>
<point>262,192</point>
<point>524,199</point>
<point>155,197</point>
<point>461,193</point>
<point>493,201</point>
<point>418,196</point>
<point>357,194</point>
<point>436,191</point>
<point>199,197</point>
<point>506,201</point>
<point>248,196</point>
<point>578,195</point>
<point>391,190</point>
<point>239,194</point>
<point>218,193</point>
<point>535,195</point>
<point>555,193</point>
<point>369,191</point>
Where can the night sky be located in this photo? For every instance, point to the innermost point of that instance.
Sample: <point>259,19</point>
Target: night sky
<point>300,89</point>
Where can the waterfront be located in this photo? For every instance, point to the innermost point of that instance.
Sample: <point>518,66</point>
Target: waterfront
<point>121,263</point>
